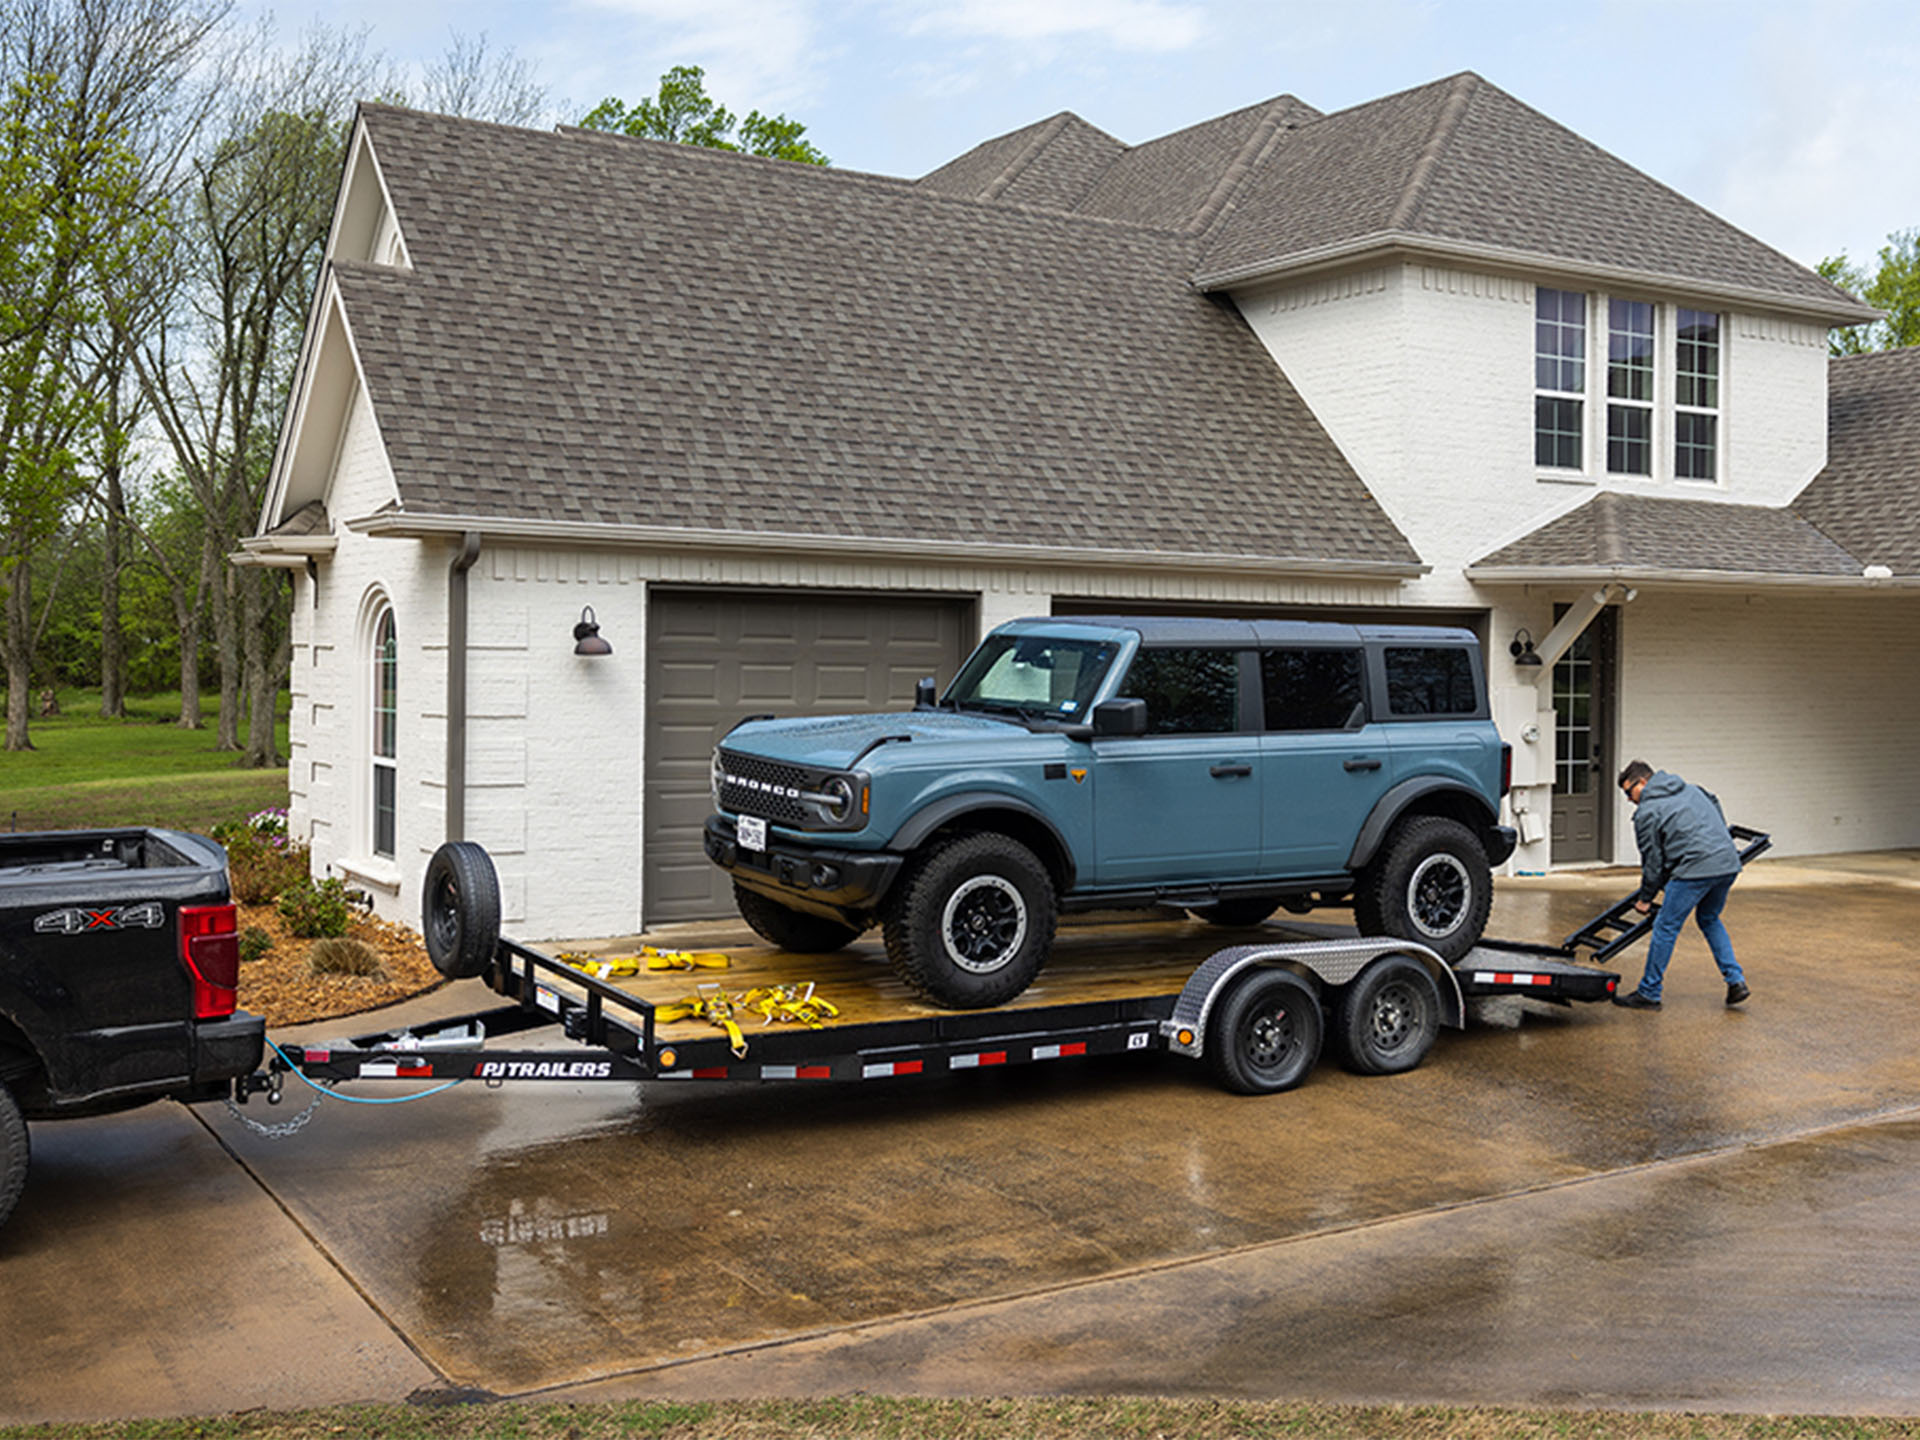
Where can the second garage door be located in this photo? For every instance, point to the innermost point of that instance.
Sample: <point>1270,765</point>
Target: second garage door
<point>714,656</point>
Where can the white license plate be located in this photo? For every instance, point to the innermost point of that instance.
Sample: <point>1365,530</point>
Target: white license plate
<point>752,833</point>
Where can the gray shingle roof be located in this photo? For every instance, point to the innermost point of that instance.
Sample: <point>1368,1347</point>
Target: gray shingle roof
<point>614,331</point>
<point>1052,164</point>
<point>1462,161</point>
<point>1645,535</point>
<point>1866,496</point>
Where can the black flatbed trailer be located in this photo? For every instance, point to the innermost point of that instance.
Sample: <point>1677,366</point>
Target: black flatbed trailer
<point>1256,1013</point>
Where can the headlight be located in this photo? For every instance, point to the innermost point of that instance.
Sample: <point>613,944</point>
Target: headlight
<point>837,798</point>
<point>839,801</point>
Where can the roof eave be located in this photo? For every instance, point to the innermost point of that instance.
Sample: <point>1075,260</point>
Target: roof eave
<point>1582,575</point>
<point>412,526</point>
<point>1396,244</point>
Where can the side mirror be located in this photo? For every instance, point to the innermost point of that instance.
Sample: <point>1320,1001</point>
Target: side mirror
<point>925,693</point>
<point>1120,717</point>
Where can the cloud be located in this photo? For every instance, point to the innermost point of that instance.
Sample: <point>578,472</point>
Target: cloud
<point>1141,25</point>
<point>758,54</point>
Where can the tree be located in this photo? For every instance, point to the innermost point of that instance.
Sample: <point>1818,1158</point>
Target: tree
<point>470,81</point>
<point>684,113</point>
<point>1894,288</point>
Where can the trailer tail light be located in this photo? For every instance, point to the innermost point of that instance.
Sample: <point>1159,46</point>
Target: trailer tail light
<point>210,949</point>
<point>1506,768</point>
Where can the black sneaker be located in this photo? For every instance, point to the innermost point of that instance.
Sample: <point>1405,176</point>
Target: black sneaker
<point>1737,992</point>
<point>1634,1000</point>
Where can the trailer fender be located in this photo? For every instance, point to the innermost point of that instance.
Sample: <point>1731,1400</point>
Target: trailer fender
<point>1329,962</point>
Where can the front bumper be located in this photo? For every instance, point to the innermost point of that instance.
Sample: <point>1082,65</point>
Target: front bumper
<point>840,884</point>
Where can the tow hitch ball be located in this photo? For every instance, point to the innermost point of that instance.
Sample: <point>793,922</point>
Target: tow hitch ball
<point>272,1081</point>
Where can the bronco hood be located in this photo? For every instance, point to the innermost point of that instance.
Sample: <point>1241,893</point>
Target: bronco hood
<point>831,742</point>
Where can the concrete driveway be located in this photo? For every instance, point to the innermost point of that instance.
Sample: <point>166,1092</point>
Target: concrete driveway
<point>1700,1208</point>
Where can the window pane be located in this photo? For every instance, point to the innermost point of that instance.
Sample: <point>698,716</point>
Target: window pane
<point>1188,692</point>
<point>1436,681</point>
<point>1629,440</point>
<point>383,787</point>
<point>1693,445</point>
<point>1697,359</point>
<point>1560,340</point>
<point>386,678</point>
<point>1629,350</point>
<point>1311,689</point>
<point>1556,432</point>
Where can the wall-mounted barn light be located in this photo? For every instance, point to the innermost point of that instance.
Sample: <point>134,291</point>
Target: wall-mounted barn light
<point>587,641</point>
<point>1522,649</point>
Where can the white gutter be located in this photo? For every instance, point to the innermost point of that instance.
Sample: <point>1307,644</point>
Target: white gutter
<point>1385,244</point>
<point>400,524</point>
<point>1724,579</point>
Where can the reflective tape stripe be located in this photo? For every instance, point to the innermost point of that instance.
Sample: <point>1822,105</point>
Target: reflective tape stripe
<point>892,1067</point>
<point>971,1062</point>
<point>796,1072</point>
<point>1056,1052</point>
<point>1495,977</point>
<point>388,1070</point>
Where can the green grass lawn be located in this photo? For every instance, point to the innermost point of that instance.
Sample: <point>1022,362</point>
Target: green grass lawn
<point>85,772</point>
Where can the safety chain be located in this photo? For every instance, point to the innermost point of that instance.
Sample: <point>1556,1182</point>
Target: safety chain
<point>285,1129</point>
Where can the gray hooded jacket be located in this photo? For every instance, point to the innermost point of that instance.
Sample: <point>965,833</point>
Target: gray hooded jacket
<point>1682,835</point>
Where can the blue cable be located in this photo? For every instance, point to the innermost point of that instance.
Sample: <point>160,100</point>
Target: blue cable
<point>359,1099</point>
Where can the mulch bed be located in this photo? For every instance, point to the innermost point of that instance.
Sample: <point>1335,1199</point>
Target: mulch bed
<point>281,985</point>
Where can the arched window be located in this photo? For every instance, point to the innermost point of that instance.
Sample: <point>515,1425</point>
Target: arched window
<point>386,725</point>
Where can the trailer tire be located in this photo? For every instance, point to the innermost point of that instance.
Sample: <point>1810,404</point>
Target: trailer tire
<point>791,930</point>
<point>460,910</point>
<point>1264,1035</point>
<point>973,922</point>
<point>16,1150</point>
<point>1430,883</point>
<point>1238,912</point>
<point>1387,1019</point>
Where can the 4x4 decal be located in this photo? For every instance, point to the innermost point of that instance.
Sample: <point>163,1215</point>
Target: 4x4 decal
<point>148,915</point>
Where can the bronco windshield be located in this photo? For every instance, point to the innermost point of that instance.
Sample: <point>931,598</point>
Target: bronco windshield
<point>1040,676</point>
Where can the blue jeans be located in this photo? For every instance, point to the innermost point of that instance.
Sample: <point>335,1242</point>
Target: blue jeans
<point>1704,900</point>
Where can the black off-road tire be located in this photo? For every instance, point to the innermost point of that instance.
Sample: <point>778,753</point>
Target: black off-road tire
<point>791,930</point>
<point>1264,1035</point>
<point>15,1153</point>
<point>460,910</point>
<point>972,922</point>
<point>1238,912</point>
<point>1430,883</point>
<point>1386,1021</point>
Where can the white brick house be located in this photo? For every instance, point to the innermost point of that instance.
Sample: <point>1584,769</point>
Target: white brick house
<point>796,437</point>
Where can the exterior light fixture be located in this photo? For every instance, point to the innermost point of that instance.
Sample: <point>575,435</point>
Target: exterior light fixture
<point>587,641</point>
<point>1522,649</point>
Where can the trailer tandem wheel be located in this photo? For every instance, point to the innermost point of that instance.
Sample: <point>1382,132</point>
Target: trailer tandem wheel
<point>1264,1035</point>
<point>1387,1019</point>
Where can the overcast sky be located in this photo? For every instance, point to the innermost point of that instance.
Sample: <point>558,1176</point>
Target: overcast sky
<point>1797,121</point>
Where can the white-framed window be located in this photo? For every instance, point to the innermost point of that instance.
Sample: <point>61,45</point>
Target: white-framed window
<point>1559,379</point>
<point>383,755</point>
<point>1638,398</point>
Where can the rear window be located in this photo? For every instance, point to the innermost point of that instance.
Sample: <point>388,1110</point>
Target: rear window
<point>1311,689</point>
<point>1430,680</point>
<point>1188,692</point>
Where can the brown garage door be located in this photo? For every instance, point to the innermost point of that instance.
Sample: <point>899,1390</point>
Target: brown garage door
<point>714,656</point>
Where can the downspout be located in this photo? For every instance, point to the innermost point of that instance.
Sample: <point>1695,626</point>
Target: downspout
<point>457,684</point>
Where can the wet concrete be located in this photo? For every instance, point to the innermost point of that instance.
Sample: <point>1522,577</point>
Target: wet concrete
<point>1556,1206</point>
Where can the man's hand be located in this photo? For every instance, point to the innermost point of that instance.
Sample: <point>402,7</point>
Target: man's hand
<point>1642,906</point>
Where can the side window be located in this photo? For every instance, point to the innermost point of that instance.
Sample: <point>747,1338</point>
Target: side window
<point>1188,692</point>
<point>1311,689</point>
<point>386,715</point>
<point>1423,681</point>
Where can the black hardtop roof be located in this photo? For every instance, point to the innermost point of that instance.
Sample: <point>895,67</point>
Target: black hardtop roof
<point>1202,630</point>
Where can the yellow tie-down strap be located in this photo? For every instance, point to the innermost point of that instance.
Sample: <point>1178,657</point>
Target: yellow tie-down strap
<point>775,1004</point>
<point>610,967</point>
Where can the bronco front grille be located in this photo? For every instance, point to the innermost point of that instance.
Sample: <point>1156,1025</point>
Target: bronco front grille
<point>752,786</point>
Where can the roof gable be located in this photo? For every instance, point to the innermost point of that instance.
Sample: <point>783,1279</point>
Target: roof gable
<point>1865,496</point>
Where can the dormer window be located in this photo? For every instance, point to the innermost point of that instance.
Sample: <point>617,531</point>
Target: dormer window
<point>1628,403</point>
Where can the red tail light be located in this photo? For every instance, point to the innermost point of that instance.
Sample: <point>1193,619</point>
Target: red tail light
<point>210,949</point>
<point>1506,768</point>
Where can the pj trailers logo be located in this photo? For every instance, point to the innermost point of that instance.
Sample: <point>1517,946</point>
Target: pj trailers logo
<point>149,915</point>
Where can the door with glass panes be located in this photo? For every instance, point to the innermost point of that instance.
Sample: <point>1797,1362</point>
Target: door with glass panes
<point>1584,756</point>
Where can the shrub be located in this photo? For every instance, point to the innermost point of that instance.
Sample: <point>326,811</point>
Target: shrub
<point>261,871</point>
<point>340,956</point>
<point>316,908</point>
<point>254,942</point>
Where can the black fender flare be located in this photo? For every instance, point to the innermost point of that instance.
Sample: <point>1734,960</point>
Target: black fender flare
<point>1395,803</point>
<point>949,808</point>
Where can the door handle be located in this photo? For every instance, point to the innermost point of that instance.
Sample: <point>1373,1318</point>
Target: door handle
<point>1221,772</point>
<point>1362,762</point>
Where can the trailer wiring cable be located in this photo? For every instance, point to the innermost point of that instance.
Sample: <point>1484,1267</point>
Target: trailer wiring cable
<point>286,1128</point>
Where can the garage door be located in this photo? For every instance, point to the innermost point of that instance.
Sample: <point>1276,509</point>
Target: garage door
<point>714,656</point>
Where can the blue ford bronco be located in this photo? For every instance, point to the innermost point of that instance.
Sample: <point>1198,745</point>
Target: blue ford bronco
<point>1225,767</point>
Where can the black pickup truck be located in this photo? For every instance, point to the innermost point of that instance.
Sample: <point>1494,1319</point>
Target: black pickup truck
<point>119,960</point>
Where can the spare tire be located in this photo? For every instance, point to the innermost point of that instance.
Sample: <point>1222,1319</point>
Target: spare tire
<point>460,910</point>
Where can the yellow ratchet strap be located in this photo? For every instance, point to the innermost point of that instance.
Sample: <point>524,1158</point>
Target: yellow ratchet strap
<point>790,1005</point>
<point>612,967</point>
<point>712,1005</point>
